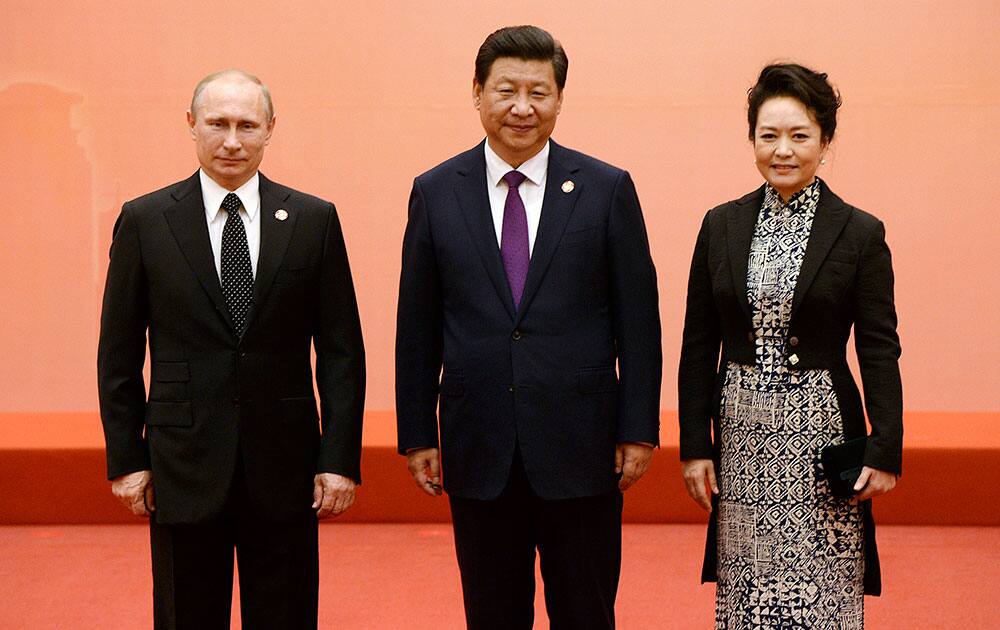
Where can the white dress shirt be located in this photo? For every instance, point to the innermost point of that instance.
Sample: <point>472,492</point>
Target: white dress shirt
<point>249,193</point>
<point>532,189</point>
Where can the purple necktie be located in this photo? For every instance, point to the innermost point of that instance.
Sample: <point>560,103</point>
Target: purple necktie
<point>514,237</point>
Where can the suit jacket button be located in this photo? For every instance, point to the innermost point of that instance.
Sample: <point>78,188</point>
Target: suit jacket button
<point>794,359</point>
<point>794,341</point>
<point>511,389</point>
<point>516,335</point>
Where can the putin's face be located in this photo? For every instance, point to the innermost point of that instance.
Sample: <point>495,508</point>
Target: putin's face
<point>518,105</point>
<point>230,128</point>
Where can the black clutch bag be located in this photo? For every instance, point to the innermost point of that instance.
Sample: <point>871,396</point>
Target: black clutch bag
<point>842,465</point>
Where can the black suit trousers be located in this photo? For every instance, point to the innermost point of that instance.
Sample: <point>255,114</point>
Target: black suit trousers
<point>193,570</point>
<point>578,542</point>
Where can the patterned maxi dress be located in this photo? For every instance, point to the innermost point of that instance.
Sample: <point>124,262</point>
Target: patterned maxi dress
<point>790,554</point>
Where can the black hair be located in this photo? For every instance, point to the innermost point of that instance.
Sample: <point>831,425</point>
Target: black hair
<point>809,87</point>
<point>522,42</point>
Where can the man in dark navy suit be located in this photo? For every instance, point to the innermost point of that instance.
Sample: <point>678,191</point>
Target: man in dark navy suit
<point>528,312</point>
<point>234,278</point>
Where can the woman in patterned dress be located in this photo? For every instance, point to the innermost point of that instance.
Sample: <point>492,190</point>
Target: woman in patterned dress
<point>779,278</point>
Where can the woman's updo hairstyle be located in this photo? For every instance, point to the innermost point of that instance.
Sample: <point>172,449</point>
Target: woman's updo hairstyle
<point>806,86</point>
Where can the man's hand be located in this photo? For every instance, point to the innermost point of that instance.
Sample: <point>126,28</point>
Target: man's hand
<point>699,476</point>
<point>135,490</point>
<point>425,467</point>
<point>872,483</point>
<point>631,461</point>
<point>332,494</point>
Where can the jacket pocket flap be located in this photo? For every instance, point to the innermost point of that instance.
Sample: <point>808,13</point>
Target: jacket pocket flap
<point>579,236</point>
<point>295,275</point>
<point>169,414</point>
<point>595,380</point>
<point>171,371</point>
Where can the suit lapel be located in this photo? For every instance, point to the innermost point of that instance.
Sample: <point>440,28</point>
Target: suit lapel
<point>190,229</point>
<point>831,217</point>
<point>275,235</point>
<point>557,206</point>
<point>474,200</point>
<point>740,224</point>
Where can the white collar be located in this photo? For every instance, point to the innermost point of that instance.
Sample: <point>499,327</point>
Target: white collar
<point>213,194</point>
<point>534,168</point>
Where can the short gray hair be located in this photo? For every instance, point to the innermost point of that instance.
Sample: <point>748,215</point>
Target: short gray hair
<point>198,89</point>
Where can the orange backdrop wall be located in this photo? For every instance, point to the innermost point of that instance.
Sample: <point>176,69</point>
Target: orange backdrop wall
<point>368,95</point>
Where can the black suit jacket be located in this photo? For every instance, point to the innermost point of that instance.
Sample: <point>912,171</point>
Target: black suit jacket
<point>214,395</point>
<point>542,377</point>
<point>846,281</point>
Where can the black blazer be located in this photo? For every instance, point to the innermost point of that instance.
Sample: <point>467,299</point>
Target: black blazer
<point>543,376</point>
<point>846,280</point>
<point>215,397</point>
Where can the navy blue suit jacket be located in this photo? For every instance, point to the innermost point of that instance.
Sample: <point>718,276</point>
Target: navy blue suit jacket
<point>564,377</point>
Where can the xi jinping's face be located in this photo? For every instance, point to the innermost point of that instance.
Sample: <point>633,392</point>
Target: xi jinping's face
<point>230,127</point>
<point>518,105</point>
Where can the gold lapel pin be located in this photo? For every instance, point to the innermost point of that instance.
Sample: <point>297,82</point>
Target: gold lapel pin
<point>281,214</point>
<point>568,186</point>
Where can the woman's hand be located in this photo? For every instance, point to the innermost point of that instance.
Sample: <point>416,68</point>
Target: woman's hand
<point>872,483</point>
<point>699,476</point>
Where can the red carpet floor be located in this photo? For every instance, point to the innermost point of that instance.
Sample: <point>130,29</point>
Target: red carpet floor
<point>376,576</point>
<point>45,457</point>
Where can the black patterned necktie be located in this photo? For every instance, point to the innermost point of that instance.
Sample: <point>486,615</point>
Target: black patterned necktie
<point>237,274</point>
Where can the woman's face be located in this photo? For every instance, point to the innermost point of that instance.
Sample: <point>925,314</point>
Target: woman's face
<point>787,144</point>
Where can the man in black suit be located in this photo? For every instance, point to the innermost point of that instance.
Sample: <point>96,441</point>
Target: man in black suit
<point>233,277</point>
<point>527,277</point>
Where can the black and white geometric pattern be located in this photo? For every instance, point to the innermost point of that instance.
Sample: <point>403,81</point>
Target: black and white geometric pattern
<point>790,554</point>
<point>237,273</point>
